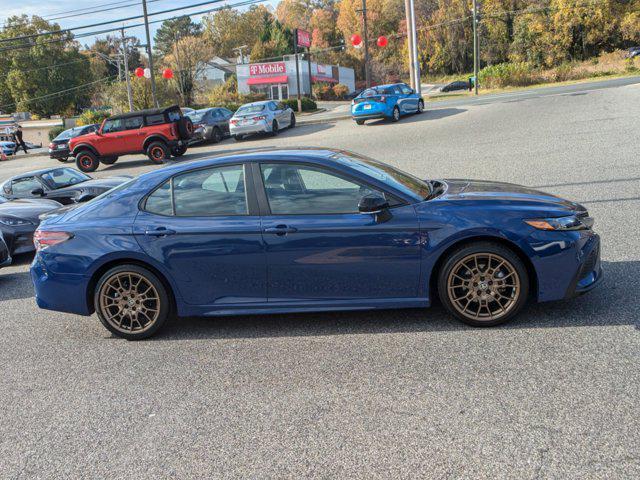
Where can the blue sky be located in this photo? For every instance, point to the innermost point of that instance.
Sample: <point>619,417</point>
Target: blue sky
<point>49,9</point>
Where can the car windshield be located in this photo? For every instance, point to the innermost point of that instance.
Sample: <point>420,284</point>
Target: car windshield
<point>250,109</point>
<point>398,179</point>
<point>197,115</point>
<point>63,177</point>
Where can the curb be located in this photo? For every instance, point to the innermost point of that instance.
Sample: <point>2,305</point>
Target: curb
<point>332,119</point>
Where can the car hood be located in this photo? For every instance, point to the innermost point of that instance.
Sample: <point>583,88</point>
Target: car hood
<point>499,192</point>
<point>28,209</point>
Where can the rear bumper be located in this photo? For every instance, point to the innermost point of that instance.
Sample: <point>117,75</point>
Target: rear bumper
<point>261,127</point>
<point>59,292</point>
<point>63,153</point>
<point>368,116</point>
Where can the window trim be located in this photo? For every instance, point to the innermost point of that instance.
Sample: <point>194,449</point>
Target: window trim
<point>263,199</point>
<point>249,193</point>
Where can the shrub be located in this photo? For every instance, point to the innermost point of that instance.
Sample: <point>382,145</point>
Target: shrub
<point>517,74</point>
<point>323,91</point>
<point>340,90</point>
<point>226,95</point>
<point>55,131</point>
<point>89,117</point>
<point>307,104</point>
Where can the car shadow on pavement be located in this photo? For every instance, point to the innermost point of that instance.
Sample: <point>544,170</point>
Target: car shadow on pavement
<point>611,304</point>
<point>16,285</point>
<point>424,116</point>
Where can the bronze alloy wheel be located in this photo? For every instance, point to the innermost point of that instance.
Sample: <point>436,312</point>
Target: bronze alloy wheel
<point>129,302</point>
<point>483,287</point>
<point>157,153</point>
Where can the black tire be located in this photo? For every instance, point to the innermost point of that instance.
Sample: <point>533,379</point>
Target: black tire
<point>360,122</point>
<point>179,151</point>
<point>395,116</point>
<point>238,138</point>
<point>487,287</point>
<point>108,160</point>
<point>105,311</point>
<point>62,159</point>
<point>292,123</point>
<point>274,128</point>
<point>158,152</point>
<point>86,161</point>
<point>185,128</point>
<point>420,106</point>
<point>216,135</point>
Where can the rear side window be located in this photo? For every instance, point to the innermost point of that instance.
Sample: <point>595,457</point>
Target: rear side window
<point>174,115</point>
<point>155,119</point>
<point>160,201</point>
<point>132,123</point>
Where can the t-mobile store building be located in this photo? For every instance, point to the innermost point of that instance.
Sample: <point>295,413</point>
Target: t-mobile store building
<point>277,80</point>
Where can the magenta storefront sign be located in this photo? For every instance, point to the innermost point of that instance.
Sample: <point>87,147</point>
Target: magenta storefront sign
<point>272,68</point>
<point>304,38</point>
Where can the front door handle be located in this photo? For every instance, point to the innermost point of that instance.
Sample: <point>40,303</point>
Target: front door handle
<point>280,230</point>
<point>159,232</point>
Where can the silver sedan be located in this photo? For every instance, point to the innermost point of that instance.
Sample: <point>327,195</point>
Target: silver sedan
<point>268,116</point>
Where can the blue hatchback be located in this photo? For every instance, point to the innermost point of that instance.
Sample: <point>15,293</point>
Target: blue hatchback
<point>386,101</point>
<point>309,230</point>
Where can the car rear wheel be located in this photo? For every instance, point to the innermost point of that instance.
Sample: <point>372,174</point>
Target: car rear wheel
<point>179,151</point>
<point>131,302</point>
<point>87,162</point>
<point>420,106</point>
<point>292,122</point>
<point>158,152</point>
<point>360,122</point>
<point>238,138</point>
<point>108,160</point>
<point>483,284</point>
<point>216,135</point>
<point>63,159</point>
<point>395,116</point>
<point>274,128</point>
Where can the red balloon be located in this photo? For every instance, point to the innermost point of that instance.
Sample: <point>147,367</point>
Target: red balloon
<point>382,41</point>
<point>139,72</point>
<point>356,39</point>
<point>167,73</point>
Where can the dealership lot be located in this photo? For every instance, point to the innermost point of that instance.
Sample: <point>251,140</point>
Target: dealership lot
<point>394,394</point>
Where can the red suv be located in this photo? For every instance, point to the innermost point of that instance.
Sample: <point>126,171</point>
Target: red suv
<point>159,132</point>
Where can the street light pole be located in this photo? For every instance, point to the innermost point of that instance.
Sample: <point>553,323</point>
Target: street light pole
<point>414,41</point>
<point>149,53</point>
<point>126,70</point>
<point>407,11</point>
<point>475,47</point>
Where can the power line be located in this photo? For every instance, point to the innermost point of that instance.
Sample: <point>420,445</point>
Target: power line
<point>98,32</point>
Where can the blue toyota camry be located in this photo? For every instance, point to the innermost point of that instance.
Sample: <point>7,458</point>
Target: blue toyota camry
<point>386,101</point>
<point>309,230</point>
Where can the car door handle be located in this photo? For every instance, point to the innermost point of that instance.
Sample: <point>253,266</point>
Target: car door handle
<point>159,232</point>
<point>280,230</point>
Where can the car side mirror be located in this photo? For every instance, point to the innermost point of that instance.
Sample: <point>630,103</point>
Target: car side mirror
<point>372,203</point>
<point>37,192</point>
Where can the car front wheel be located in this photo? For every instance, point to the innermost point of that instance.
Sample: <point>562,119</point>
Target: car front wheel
<point>395,115</point>
<point>131,302</point>
<point>87,162</point>
<point>483,284</point>
<point>420,106</point>
<point>158,152</point>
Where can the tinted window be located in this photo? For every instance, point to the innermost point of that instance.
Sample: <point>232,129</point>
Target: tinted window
<point>132,123</point>
<point>64,177</point>
<point>225,112</point>
<point>174,115</point>
<point>160,201</point>
<point>25,185</point>
<point>155,119</point>
<point>116,125</point>
<point>214,191</point>
<point>298,190</point>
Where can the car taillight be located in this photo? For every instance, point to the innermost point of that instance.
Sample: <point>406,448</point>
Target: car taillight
<point>233,122</point>
<point>52,146</point>
<point>44,239</point>
<point>172,129</point>
<point>259,118</point>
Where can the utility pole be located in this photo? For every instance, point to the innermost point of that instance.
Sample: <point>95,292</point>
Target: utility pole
<point>367,73</point>
<point>149,53</point>
<point>416,63</point>
<point>476,60</point>
<point>407,11</point>
<point>295,55</point>
<point>126,70</point>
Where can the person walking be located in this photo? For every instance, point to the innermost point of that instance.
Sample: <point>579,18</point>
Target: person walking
<point>19,141</point>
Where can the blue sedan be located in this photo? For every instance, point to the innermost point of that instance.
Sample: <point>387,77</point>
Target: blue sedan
<point>386,101</point>
<point>305,230</point>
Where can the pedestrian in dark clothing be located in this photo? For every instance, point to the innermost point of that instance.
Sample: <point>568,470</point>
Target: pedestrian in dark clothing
<point>19,141</point>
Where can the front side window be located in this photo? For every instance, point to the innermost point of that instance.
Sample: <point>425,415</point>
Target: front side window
<point>201,193</point>
<point>64,177</point>
<point>25,185</point>
<point>305,190</point>
<point>115,125</point>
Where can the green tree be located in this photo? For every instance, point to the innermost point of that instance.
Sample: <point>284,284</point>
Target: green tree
<point>110,46</point>
<point>173,30</point>
<point>228,29</point>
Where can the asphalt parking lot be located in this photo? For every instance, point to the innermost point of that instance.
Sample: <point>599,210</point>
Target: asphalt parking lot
<point>393,394</point>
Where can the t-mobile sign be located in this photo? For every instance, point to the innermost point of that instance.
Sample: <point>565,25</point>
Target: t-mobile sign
<point>304,38</point>
<point>266,68</point>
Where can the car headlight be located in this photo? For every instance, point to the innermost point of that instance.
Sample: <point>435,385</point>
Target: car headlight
<point>571,222</point>
<point>14,222</point>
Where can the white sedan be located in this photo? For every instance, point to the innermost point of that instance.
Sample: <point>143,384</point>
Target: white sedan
<point>268,116</point>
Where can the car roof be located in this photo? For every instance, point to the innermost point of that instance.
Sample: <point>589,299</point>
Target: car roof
<point>33,173</point>
<point>150,111</point>
<point>261,102</point>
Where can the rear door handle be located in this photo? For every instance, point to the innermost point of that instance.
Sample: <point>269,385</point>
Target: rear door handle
<point>159,232</point>
<point>280,230</point>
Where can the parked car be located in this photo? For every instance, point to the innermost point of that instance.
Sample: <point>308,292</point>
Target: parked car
<point>386,101</point>
<point>19,219</point>
<point>267,116</point>
<point>5,257</point>
<point>457,85</point>
<point>187,110</point>
<point>63,184</point>
<point>210,124</point>
<point>633,52</point>
<point>59,146</point>
<point>159,132</point>
<point>275,231</point>
<point>8,148</point>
